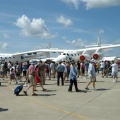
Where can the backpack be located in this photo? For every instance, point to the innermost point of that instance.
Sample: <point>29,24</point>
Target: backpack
<point>18,90</point>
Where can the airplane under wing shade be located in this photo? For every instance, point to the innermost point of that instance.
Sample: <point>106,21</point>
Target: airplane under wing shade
<point>35,53</point>
<point>29,54</point>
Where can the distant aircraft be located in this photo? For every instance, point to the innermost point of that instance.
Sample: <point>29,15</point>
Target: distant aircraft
<point>79,54</point>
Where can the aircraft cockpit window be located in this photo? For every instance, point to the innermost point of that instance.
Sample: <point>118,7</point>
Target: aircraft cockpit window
<point>71,54</point>
<point>67,54</point>
<point>64,54</point>
<point>5,57</point>
<point>9,57</point>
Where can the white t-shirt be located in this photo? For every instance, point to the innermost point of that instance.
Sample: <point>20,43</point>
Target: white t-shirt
<point>2,67</point>
<point>102,65</point>
<point>65,67</point>
<point>114,67</point>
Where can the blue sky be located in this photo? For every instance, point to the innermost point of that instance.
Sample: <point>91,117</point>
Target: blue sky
<point>66,24</point>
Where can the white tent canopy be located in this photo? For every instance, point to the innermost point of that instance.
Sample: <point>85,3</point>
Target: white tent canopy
<point>113,58</point>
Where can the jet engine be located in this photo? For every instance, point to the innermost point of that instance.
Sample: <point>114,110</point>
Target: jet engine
<point>84,57</point>
<point>97,56</point>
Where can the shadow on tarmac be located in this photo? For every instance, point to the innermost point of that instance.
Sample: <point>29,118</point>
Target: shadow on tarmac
<point>3,85</point>
<point>37,95</point>
<point>102,89</point>
<point>50,90</point>
<point>46,94</point>
<point>100,81</point>
<point>3,110</point>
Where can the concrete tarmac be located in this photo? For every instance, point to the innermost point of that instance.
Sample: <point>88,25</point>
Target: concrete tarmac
<point>58,104</point>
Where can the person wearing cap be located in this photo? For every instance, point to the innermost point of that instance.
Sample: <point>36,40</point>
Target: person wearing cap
<point>72,77</point>
<point>31,77</point>
<point>91,74</point>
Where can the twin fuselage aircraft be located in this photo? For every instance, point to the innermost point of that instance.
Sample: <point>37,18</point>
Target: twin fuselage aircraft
<point>92,52</point>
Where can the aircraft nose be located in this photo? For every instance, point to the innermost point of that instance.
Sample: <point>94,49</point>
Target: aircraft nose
<point>60,58</point>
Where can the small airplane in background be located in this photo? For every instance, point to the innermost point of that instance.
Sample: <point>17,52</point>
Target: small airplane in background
<point>69,55</point>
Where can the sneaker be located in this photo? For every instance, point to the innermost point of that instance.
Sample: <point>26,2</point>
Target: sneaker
<point>35,90</point>
<point>113,81</point>
<point>25,93</point>
<point>95,89</point>
<point>87,88</point>
<point>44,89</point>
<point>34,94</point>
<point>77,90</point>
<point>69,90</point>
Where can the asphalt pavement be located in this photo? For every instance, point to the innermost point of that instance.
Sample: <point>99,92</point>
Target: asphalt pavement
<point>58,104</point>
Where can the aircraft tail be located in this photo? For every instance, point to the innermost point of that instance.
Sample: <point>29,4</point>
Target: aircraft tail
<point>49,46</point>
<point>99,41</point>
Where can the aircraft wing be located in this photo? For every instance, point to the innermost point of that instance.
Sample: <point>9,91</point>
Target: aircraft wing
<point>85,50</point>
<point>98,49</point>
<point>40,51</point>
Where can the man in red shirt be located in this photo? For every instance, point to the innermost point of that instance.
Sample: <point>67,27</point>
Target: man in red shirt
<point>31,77</point>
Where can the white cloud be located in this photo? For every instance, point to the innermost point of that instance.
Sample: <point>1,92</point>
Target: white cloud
<point>64,21</point>
<point>34,28</point>
<point>100,3</point>
<point>5,45</point>
<point>93,3</point>
<point>75,3</point>
<point>6,36</point>
<point>78,43</point>
<point>101,31</point>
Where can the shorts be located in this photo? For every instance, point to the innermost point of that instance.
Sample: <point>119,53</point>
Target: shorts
<point>52,71</point>
<point>78,72</point>
<point>114,74</point>
<point>92,79</point>
<point>12,76</point>
<point>1,72</point>
<point>65,74</point>
<point>32,80</point>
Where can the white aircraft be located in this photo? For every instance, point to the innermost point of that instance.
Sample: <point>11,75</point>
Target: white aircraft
<point>26,56</point>
<point>79,54</point>
<point>84,54</point>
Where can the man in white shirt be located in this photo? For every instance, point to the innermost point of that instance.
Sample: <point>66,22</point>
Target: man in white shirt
<point>65,71</point>
<point>102,65</point>
<point>114,71</point>
<point>91,74</point>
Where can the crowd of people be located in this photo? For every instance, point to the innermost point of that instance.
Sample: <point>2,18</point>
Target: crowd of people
<point>36,73</point>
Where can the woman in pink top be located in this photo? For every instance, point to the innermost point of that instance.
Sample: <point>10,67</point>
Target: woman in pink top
<point>38,79</point>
